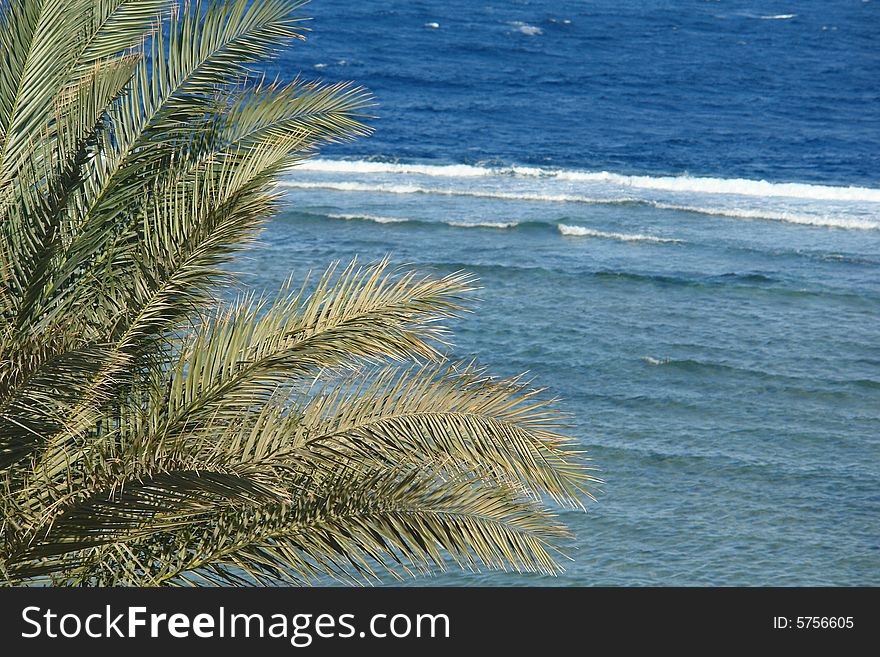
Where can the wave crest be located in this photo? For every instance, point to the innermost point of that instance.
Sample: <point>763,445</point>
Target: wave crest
<point>420,189</point>
<point>370,217</point>
<point>525,28</point>
<point>379,219</point>
<point>483,224</point>
<point>582,231</point>
<point>856,208</point>
<point>684,183</point>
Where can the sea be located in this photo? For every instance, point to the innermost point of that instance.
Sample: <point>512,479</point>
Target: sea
<point>674,212</point>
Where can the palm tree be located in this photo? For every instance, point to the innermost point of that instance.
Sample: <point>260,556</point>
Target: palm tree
<point>152,433</point>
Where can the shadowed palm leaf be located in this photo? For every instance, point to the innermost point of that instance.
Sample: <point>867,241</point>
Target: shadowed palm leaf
<point>151,433</point>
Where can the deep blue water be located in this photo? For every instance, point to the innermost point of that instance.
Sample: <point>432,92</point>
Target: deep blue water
<point>710,88</point>
<point>599,165</point>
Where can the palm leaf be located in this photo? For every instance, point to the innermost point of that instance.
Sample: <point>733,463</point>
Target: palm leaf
<point>151,434</point>
<point>357,524</point>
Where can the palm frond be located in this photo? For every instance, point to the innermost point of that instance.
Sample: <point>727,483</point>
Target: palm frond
<point>152,434</point>
<point>317,113</point>
<point>354,526</point>
<point>39,37</point>
<point>117,26</point>
<point>457,411</point>
<point>366,314</point>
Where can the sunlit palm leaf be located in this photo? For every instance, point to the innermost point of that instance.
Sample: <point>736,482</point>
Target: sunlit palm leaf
<point>153,434</point>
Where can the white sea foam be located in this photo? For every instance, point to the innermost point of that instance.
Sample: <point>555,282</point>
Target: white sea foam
<point>433,26</point>
<point>525,28</point>
<point>655,361</point>
<point>477,193</point>
<point>356,187</point>
<point>777,17</point>
<point>795,203</point>
<point>369,217</point>
<point>433,170</point>
<point>693,184</point>
<point>482,224</point>
<point>379,219</point>
<point>826,221</point>
<point>731,186</point>
<point>366,167</point>
<point>583,231</point>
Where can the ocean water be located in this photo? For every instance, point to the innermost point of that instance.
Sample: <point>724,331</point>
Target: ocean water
<point>674,211</point>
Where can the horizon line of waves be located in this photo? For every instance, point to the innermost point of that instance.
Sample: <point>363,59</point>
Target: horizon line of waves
<point>583,231</point>
<point>824,221</point>
<point>682,183</point>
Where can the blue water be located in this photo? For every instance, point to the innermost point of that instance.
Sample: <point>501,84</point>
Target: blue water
<point>600,166</point>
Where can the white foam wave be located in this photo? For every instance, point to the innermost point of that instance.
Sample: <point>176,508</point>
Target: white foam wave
<point>482,224</point>
<point>788,217</point>
<point>731,186</point>
<point>419,189</point>
<point>369,217</point>
<point>655,361</point>
<point>825,221</point>
<point>379,219</point>
<point>356,187</point>
<point>777,17</point>
<point>583,231</point>
<point>525,28</point>
<point>690,184</point>
<point>366,166</point>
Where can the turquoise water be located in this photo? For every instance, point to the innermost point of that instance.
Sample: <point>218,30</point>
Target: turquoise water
<point>725,379</point>
<point>716,337</point>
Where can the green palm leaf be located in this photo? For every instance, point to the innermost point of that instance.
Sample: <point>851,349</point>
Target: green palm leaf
<point>152,434</point>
